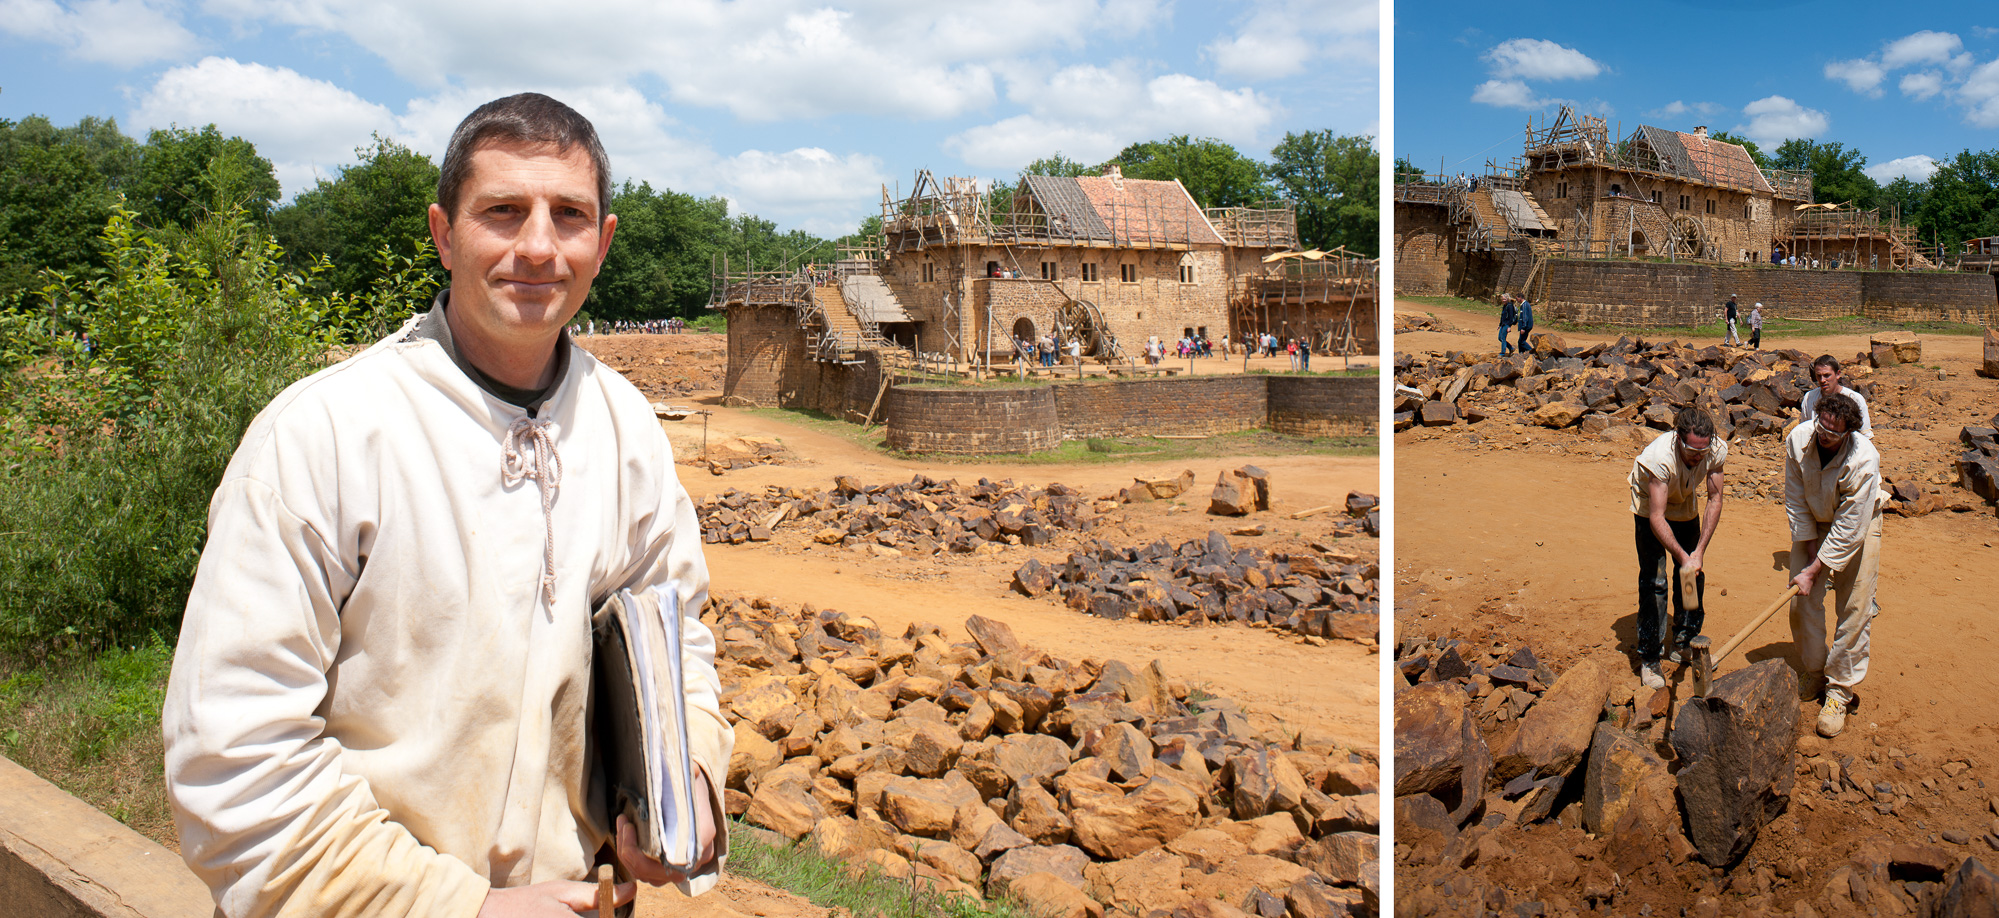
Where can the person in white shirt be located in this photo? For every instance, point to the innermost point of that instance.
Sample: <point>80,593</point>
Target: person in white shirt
<point>1825,372</point>
<point>380,700</point>
<point>1673,531</point>
<point>1833,501</point>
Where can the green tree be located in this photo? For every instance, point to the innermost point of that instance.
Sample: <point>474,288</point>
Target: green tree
<point>53,202</point>
<point>1755,152</point>
<point>1336,182</point>
<point>1836,171</point>
<point>1059,165</point>
<point>381,202</point>
<point>1216,174</point>
<point>659,260</point>
<point>113,452</point>
<point>183,174</point>
<point>1406,171</point>
<point>1963,200</point>
<point>1905,197</point>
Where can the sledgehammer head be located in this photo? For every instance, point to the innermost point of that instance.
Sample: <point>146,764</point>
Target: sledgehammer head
<point>1690,594</point>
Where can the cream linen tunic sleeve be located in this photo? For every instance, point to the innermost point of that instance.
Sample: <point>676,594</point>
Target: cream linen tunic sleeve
<point>1839,502</point>
<point>372,709</point>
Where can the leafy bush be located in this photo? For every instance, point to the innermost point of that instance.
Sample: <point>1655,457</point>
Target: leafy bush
<point>113,447</point>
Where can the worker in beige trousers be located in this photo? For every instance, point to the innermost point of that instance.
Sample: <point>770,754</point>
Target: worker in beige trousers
<point>1833,501</point>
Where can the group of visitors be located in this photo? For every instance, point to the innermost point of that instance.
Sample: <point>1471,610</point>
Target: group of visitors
<point>1044,351</point>
<point>1755,324</point>
<point>1514,311</point>
<point>672,326</point>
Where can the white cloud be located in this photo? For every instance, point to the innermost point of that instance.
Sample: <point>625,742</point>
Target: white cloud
<point>1951,72</point>
<point>125,33</point>
<point>1775,119</point>
<point>1678,109</point>
<point>1980,96</point>
<point>1922,85</point>
<point>302,125</point>
<point>797,187</point>
<point>1539,59</point>
<point>1280,38</point>
<point>1066,111</point>
<point>1505,94</point>
<point>758,59</point>
<point>1925,47</point>
<point>1862,75</point>
<point>1917,167</point>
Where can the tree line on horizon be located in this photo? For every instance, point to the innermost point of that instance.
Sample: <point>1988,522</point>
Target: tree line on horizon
<point>60,185</point>
<point>1959,201</point>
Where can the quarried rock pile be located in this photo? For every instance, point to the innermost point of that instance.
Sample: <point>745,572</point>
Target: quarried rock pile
<point>1607,388</point>
<point>922,515</point>
<point>989,768</point>
<point>1518,790</point>
<point>1319,593</point>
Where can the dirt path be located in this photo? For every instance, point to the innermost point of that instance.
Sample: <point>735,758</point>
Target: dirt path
<point>1483,334</point>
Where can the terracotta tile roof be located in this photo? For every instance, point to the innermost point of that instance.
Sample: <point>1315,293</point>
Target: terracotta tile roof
<point>1147,210</point>
<point>1717,162</point>
<point>1070,213</point>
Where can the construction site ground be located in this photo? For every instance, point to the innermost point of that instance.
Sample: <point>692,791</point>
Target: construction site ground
<point>1330,688</point>
<point>1523,534</point>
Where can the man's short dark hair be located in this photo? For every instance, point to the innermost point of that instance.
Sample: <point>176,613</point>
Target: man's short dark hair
<point>528,118</point>
<point>1693,422</point>
<point>1840,406</point>
<point>1826,360</point>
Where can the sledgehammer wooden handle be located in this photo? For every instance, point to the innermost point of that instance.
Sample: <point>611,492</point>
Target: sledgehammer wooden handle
<point>1743,635</point>
<point>607,892</point>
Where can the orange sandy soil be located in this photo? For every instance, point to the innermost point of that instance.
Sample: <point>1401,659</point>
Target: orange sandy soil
<point>1331,689</point>
<point>1525,534</point>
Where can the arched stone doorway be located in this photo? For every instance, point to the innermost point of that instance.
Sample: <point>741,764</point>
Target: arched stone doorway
<point>1638,245</point>
<point>1023,329</point>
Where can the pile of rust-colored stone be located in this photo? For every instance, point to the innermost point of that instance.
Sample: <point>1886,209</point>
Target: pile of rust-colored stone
<point>1617,802</point>
<point>989,768</point>
<point>1978,465</point>
<point>738,453</point>
<point>1320,593</point>
<point>921,515</point>
<point>1607,388</point>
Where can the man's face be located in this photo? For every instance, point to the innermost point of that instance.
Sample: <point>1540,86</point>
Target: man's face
<point>525,242</point>
<point>1827,378</point>
<point>1832,431</point>
<point>1693,447</point>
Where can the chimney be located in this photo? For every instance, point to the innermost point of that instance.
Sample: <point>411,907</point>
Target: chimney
<point>1701,132</point>
<point>1113,171</point>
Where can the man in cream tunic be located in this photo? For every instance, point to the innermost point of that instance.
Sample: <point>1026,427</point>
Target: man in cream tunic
<point>1673,531</point>
<point>1833,501</point>
<point>379,701</point>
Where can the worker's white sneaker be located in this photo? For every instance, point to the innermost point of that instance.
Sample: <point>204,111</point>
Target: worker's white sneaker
<point>1648,675</point>
<point>1832,716</point>
<point>1675,657</point>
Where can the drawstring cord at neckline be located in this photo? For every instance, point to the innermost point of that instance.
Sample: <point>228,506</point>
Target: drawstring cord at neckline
<point>528,452</point>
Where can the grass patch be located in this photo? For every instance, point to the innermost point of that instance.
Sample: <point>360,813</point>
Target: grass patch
<point>1353,371</point>
<point>800,868</point>
<point>92,728</point>
<point>1094,450</point>
<point>1774,326</point>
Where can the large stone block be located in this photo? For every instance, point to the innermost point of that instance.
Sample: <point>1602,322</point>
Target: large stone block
<point>1557,731</point>
<point>1736,747</point>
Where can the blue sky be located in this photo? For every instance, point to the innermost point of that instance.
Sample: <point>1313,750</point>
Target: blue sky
<point>795,110</point>
<point>1907,85</point>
